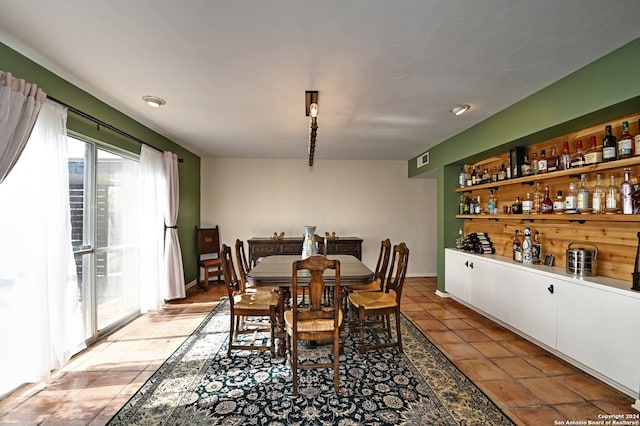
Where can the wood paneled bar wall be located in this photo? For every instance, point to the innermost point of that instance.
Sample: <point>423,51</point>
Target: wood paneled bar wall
<point>615,235</point>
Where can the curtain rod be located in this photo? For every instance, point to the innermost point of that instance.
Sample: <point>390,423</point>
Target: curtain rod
<point>105,125</point>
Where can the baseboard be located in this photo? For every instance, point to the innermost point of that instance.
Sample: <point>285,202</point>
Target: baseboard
<point>190,284</point>
<point>636,405</point>
<point>443,294</point>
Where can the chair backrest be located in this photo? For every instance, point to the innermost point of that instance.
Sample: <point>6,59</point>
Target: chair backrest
<point>207,243</point>
<point>383,261</point>
<point>398,270</point>
<point>316,265</point>
<point>322,244</point>
<point>229,273</point>
<point>243,265</point>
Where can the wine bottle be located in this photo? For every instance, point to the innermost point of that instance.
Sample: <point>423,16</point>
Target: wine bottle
<point>609,148</point>
<point>625,142</point>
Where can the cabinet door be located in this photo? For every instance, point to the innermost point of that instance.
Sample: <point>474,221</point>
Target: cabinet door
<point>599,329</point>
<point>458,267</point>
<point>532,305</point>
<point>489,290</point>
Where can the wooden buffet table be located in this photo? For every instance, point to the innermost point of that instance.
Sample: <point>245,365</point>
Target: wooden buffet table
<point>263,247</point>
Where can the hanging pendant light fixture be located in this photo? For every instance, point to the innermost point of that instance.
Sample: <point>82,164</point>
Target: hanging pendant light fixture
<point>311,111</point>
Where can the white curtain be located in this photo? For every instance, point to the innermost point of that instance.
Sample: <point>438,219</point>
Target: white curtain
<point>152,201</point>
<point>20,103</point>
<point>40,313</point>
<point>174,271</point>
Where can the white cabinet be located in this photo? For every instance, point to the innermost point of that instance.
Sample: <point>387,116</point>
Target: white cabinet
<point>593,324</point>
<point>599,329</point>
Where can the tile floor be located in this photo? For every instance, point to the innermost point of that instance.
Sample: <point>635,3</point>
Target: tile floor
<point>530,385</point>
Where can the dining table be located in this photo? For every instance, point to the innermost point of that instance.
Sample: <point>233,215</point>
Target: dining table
<point>275,271</point>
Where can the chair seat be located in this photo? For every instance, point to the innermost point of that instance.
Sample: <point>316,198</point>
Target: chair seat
<point>372,286</point>
<point>254,301</point>
<point>261,289</point>
<point>373,299</point>
<point>211,262</point>
<point>311,326</point>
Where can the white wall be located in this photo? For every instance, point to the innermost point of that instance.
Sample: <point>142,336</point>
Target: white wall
<point>372,200</point>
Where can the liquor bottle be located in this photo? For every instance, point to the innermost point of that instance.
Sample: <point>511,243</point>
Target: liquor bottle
<point>542,162</point>
<point>517,247</point>
<point>491,204</point>
<point>478,206</point>
<point>494,174</point>
<point>486,177</point>
<point>609,147</point>
<point>525,168</point>
<point>502,173</point>
<point>625,142</point>
<point>536,248</point>
<point>516,207</point>
<point>467,175</point>
<point>460,239</point>
<point>598,197</point>
<point>612,196</point>
<point>546,207</point>
<point>537,199</point>
<point>559,204</point>
<point>626,189</point>
<point>472,206</point>
<point>527,249</point>
<point>467,205</point>
<point>527,204</point>
<point>583,195</point>
<point>578,158</point>
<point>565,158</point>
<point>636,139</point>
<point>474,177</point>
<point>593,154</point>
<point>461,204</point>
<point>552,161</point>
<point>571,200</point>
<point>462,177</point>
<point>534,164</point>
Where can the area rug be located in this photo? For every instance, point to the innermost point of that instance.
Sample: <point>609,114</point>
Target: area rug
<point>200,385</point>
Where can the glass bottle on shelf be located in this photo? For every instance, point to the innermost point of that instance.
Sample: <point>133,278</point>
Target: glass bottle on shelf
<point>467,174</point>
<point>534,164</point>
<point>598,197</point>
<point>625,142</point>
<point>536,248</point>
<point>527,204</point>
<point>502,173</point>
<point>546,207</point>
<point>527,249</point>
<point>609,147</point>
<point>584,197</point>
<point>516,207</point>
<point>542,162</point>
<point>462,177</point>
<point>517,247</point>
<point>525,168</point>
<point>537,199</point>
<point>491,204</point>
<point>461,204</point>
<point>494,174</point>
<point>558,204</point>
<point>636,139</point>
<point>486,177</point>
<point>578,158</point>
<point>564,159</point>
<point>593,154</point>
<point>460,239</point>
<point>552,161</point>
<point>612,196</point>
<point>626,189</point>
<point>474,177</point>
<point>478,206</point>
<point>467,205</point>
<point>571,200</point>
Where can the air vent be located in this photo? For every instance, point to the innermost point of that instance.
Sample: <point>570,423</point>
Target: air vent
<point>423,159</point>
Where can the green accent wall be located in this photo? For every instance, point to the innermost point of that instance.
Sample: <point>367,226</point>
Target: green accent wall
<point>601,91</point>
<point>189,169</point>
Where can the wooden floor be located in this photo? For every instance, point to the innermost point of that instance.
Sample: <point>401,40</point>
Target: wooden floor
<point>528,384</point>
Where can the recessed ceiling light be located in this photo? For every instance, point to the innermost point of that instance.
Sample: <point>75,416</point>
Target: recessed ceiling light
<point>460,109</point>
<point>154,101</point>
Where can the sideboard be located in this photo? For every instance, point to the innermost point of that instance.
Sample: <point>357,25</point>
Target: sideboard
<point>263,247</point>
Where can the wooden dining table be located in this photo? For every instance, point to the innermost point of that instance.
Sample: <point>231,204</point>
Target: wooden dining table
<point>275,271</point>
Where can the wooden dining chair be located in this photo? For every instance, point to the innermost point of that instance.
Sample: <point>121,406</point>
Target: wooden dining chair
<point>381,270</point>
<point>208,255</point>
<point>243,305</point>
<point>315,321</point>
<point>371,305</point>
<point>244,267</point>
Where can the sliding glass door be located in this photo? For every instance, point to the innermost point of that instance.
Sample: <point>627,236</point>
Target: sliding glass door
<point>103,187</point>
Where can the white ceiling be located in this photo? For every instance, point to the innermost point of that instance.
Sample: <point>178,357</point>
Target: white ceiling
<point>234,72</point>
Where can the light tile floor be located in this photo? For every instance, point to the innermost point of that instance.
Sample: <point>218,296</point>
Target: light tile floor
<point>529,384</point>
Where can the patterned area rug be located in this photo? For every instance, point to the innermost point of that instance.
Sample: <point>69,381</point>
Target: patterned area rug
<point>199,385</point>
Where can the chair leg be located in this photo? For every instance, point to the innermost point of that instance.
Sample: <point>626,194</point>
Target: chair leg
<point>231,333</point>
<point>336,361</point>
<point>398,334</point>
<point>273,331</point>
<point>294,364</point>
<point>361,318</point>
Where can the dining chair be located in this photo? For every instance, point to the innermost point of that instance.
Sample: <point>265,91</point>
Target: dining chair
<point>244,267</point>
<point>316,320</point>
<point>208,255</point>
<point>243,305</point>
<point>371,305</point>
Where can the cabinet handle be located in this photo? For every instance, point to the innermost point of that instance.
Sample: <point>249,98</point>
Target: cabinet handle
<point>468,264</point>
<point>471,265</point>
<point>550,288</point>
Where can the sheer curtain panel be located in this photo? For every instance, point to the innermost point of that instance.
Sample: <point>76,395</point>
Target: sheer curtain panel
<point>40,308</point>
<point>174,284</point>
<point>20,103</point>
<point>152,203</point>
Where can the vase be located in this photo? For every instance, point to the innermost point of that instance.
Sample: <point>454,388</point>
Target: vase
<point>310,245</point>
